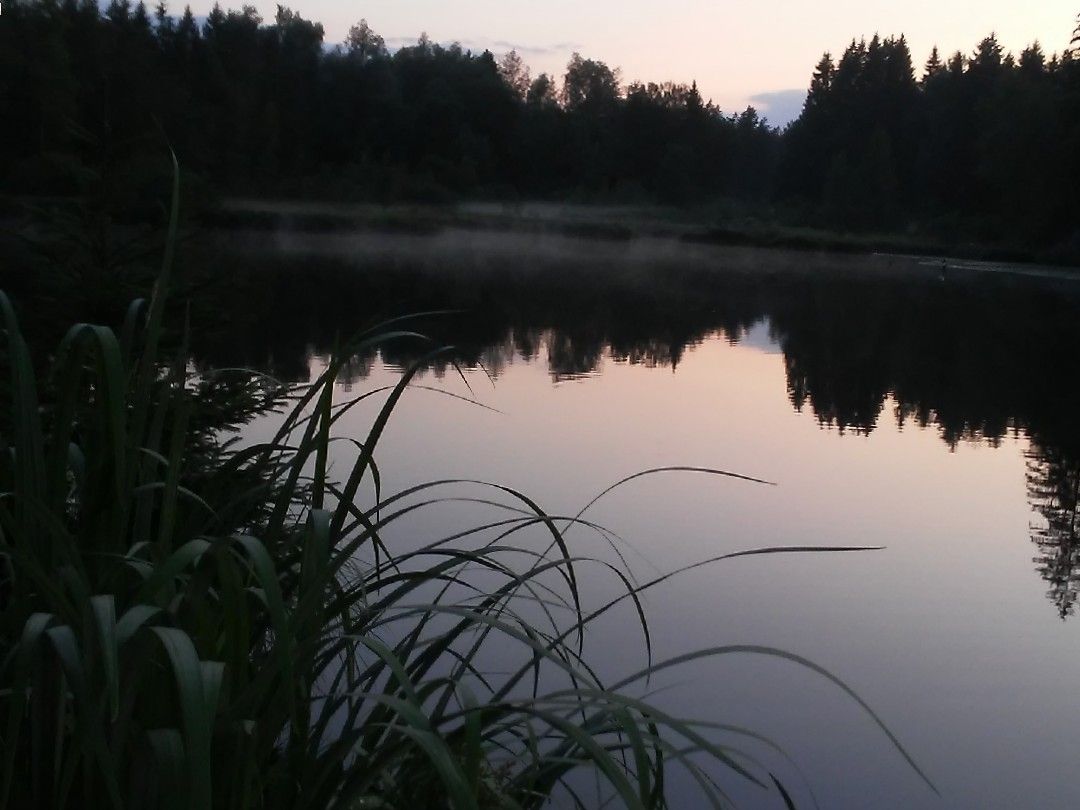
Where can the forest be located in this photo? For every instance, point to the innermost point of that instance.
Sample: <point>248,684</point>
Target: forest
<point>982,146</point>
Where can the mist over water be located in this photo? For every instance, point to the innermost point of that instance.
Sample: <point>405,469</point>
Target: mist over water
<point>894,405</point>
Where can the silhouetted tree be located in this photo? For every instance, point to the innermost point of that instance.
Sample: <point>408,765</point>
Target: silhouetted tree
<point>821,83</point>
<point>543,91</point>
<point>516,74</point>
<point>934,66</point>
<point>364,44</point>
<point>589,84</point>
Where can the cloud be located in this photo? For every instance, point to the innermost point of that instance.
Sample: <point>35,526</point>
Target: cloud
<point>537,50</point>
<point>781,107</point>
<point>496,45</point>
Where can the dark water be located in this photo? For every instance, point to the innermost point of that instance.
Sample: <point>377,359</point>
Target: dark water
<point>932,413</point>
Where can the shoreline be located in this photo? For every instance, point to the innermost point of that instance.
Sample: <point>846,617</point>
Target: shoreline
<point>609,223</point>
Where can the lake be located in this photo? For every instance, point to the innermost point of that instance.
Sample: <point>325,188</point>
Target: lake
<point>926,408</point>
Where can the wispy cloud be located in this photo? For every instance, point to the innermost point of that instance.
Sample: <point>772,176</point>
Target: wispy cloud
<point>496,45</point>
<point>538,50</point>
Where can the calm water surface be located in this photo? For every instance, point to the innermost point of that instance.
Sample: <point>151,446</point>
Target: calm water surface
<point>893,405</point>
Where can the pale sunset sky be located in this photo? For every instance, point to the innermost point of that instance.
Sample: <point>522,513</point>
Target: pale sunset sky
<point>739,51</point>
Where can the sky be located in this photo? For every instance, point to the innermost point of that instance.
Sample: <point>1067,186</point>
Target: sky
<point>740,52</point>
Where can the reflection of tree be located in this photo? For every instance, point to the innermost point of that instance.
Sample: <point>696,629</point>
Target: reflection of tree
<point>281,313</point>
<point>840,397</point>
<point>573,355</point>
<point>949,356</point>
<point>976,359</point>
<point>1053,481</point>
<point>952,358</point>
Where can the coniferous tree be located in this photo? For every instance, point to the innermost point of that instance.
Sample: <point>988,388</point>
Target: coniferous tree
<point>1033,60</point>
<point>934,66</point>
<point>821,83</point>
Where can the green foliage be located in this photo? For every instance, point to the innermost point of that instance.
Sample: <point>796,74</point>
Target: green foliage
<point>184,630</point>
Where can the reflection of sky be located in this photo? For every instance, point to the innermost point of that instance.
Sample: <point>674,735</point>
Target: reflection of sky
<point>946,633</point>
<point>735,49</point>
<point>759,337</point>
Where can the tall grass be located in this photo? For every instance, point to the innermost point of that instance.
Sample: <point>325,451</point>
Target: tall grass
<point>180,630</point>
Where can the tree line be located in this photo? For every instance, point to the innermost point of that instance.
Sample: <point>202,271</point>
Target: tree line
<point>266,106</point>
<point>986,145</point>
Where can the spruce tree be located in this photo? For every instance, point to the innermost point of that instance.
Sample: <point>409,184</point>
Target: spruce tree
<point>821,83</point>
<point>1033,60</point>
<point>934,65</point>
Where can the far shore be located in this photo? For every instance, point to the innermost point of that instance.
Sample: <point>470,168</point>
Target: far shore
<point>618,223</point>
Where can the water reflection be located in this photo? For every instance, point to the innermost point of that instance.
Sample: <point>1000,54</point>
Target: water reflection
<point>1053,482</point>
<point>976,358</point>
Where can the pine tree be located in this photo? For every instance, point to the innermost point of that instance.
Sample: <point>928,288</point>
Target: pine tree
<point>119,11</point>
<point>957,64</point>
<point>1033,60</point>
<point>989,56</point>
<point>934,65</point>
<point>141,18</point>
<point>899,68</point>
<point>848,75</point>
<point>694,104</point>
<point>187,32</point>
<point>163,22</point>
<point>872,77</point>
<point>214,22</point>
<point>821,83</point>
